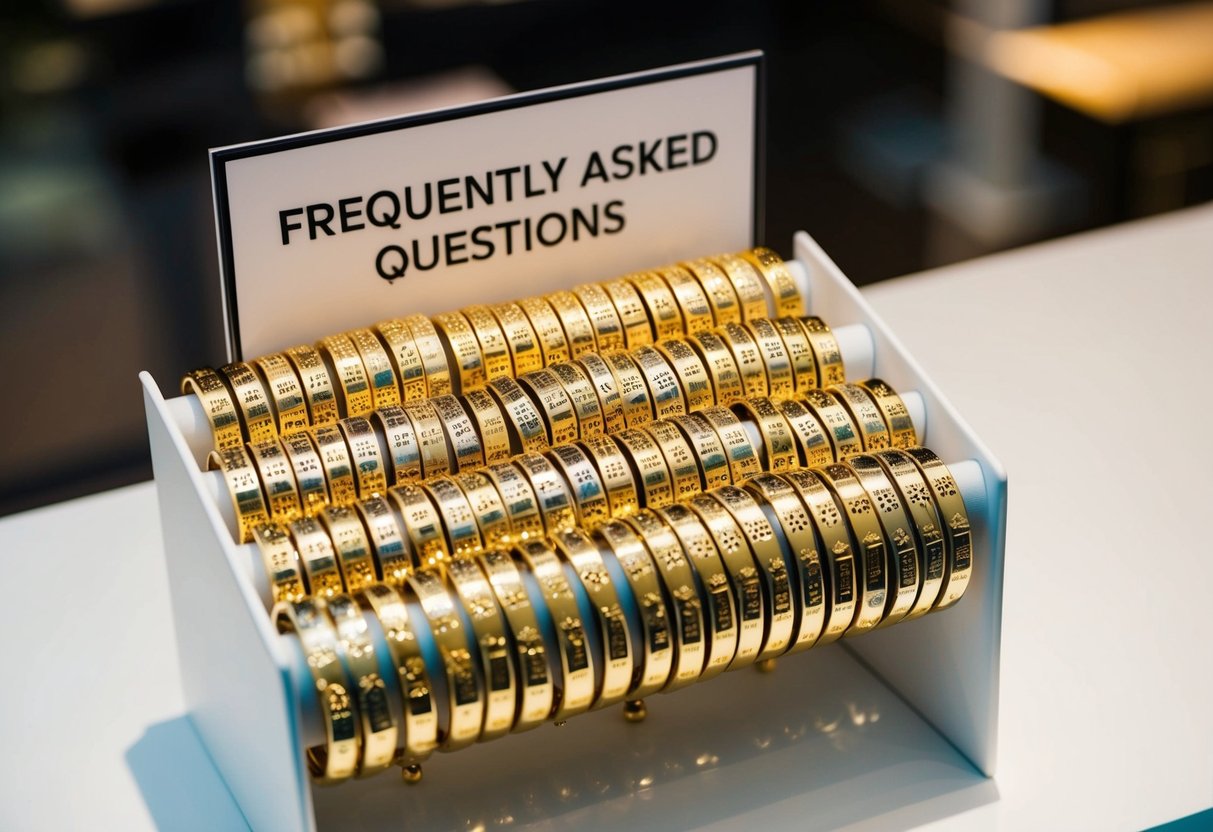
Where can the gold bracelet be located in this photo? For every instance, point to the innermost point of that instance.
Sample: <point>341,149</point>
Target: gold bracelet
<point>277,479</point>
<point>575,689</point>
<point>537,689</point>
<point>433,355</point>
<point>281,563</point>
<point>648,467</point>
<point>900,546</point>
<point>337,759</point>
<point>652,672</point>
<point>664,391</point>
<point>680,459</point>
<point>746,283</point>
<point>518,498</point>
<point>553,404</point>
<point>788,300</point>
<point>315,548</point>
<point>420,733</point>
<point>928,530</point>
<point>458,519</point>
<point>589,494</point>
<point>380,374</point>
<point>614,473</point>
<point>463,350</point>
<point>955,516</point>
<point>608,328</point>
<point>350,545</point>
<point>309,473</point>
<point>487,506</point>
<point>633,391</point>
<point>839,426</point>
<point>525,352</point>
<point>365,455</point>
<point>812,445</point>
<point>718,289</point>
<point>490,633</point>
<point>548,330</point>
<point>868,540</point>
<point>318,390</point>
<point>378,726</point>
<point>720,608</point>
<point>244,486</point>
<point>778,444</point>
<point>582,396</point>
<point>490,425</point>
<point>681,595</point>
<point>800,354</point>
<point>743,460</point>
<point>494,347</point>
<point>664,316</point>
<point>781,379</point>
<point>335,459</point>
<point>406,360</point>
<point>581,552</point>
<point>750,364</point>
<point>354,396</point>
<point>422,524</point>
<point>404,453</point>
<point>431,438</point>
<point>637,329</point>
<point>896,417</point>
<point>739,566</point>
<point>465,712</point>
<point>526,426</point>
<point>393,560</point>
<point>551,491</point>
<point>578,331</point>
<point>253,405</point>
<point>689,372</point>
<point>797,530</point>
<point>462,435</point>
<point>286,395</point>
<point>727,384</point>
<point>690,297</point>
<point>826,352</point>
<point>216,401</point>
<point>873,431</point>
<point>707,447</point>
<point>841,596</point>
<point>610,403</point>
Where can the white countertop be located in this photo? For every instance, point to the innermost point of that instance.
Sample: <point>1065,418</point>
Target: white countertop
<point>1074,360</point>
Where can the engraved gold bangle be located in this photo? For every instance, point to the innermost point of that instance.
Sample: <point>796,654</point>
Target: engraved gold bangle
<point>896,417</point>
<point>524,422</point>
<point>610,403</point>
<point>537,691</point>
<point>680,459</point>
<point>420,735</point>
<point>957,531</point>
<point>901,548</point>
<point>462,435</point>
<point>318,389</point>
<point>727,384</point>
<point>637,329</point>
<point>431,438</point>
<point>873,431</point>
<point>252,402</point>
<point>578,331</point>
<point>548,330</point>
<point>575,686</point>
<point>337,759</point>
<point>837,421</point>
<point>350,545</point>
<point>742,574</point>
<point>281,563</point>
<point>406,360</point>
<point>244,487</point>
<point>316,554</point>
<point>581,552</point>
<point>868,540</point>
<point>633,391</point>
<point>458,519</point>
<point>366,458</point>
<point>778,442</point>
<point>615,474</point>
<point>746,283</point>
<point>422,524</point>
<point>465,712</point>
<point>664,390</point>
<point>663,312</point>
<point>433,355</point>
<point>490,425</point>
<point>335,459</point>
<point>708,449</point>
<point>835,551</point>
<point>826,352</point>
<point>800,354</point>
<point>682,597</point>
<point>518,498</point>
<point>551,491</point>
<point>689,372</point>
<point>393,560</point>
<point>286,394</point>
<point>463,351</point>
<point>781,380</point>
<point>380,374</point>
<point>525,352</point>
<point>487,506</point>
<point>353,389</point>
<point>309,473</point>
<point>691,299</point>
<point>718,289</point>
<point>582,396</point>
<point>493,345</point>
<point>608,329</point>
<point>788,300</point>
<point>812,445</point>
<point>554,405</point>
<point>216,402</point>
<point>797,529</point>
<point>743,459</point>
<point>491,637</point>
<point>649,470</point>
<point>750,364</point>
<point>403,450</point>
<point>720,609</point>
<point>589,494</point>
<point>652,672</point>
<point>378,726</point>
<point>277,479</point>
<point>928,530</point>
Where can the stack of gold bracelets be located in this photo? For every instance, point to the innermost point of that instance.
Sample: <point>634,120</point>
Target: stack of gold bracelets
<point>535,509</point>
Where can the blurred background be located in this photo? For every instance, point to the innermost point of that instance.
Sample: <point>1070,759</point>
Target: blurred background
<point>903,134</point>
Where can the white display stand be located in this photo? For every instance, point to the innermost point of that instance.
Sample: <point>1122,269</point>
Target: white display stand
<point>244,702</point>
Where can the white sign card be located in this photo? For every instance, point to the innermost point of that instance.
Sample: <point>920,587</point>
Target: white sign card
<point>336,229</point>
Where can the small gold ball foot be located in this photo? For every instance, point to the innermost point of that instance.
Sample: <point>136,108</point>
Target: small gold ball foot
<point>411,774</point>
<point>766,666</point>
<point>634,710</point>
